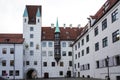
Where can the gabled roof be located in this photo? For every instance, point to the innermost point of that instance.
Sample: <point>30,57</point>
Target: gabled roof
<point>65,33</point>
<point>11,39</point>
<point>104,9</point>
<point>100,13</point>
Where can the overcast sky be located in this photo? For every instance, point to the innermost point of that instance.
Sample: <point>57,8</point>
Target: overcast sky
<point>68,11</point>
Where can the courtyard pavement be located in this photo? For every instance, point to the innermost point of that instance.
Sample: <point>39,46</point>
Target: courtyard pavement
<point>67,79</point>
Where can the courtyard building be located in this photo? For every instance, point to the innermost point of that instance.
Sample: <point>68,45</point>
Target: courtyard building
<point>55,51</point>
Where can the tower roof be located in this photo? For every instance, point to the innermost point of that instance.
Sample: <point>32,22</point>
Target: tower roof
<point>57,27</point>
<point>25,13</point>
<point>38,13</point>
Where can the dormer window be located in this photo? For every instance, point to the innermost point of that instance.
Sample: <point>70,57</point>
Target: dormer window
<point>67,32</point>
<point>7,40</point>
<point>106,5</point>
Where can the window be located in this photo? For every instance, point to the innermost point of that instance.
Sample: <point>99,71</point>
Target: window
<point>82,52</point>
<point>97,46</point>
<point>17,73</point>
<point>45,64</point>
<point>31,36</point>
<point>115,36</point>
<point>70,63</point>
<point>69,53</point>
<point>4,50</point>
<point>44,53</point>
<point>11,73</point>
<point>87,50</point>
<point>50,44</point>
<point>114,15</point>
<point>82,41</point>
<point>117,60</point>
<point>105,42</point>
<point>57,36</point>
<point>63,44</point>
<point>35,62</point>
<point>38,20</point>
<point>11,62</point>
<point>31,44</point>
<point>79,54</point>
<point>75,47</point>
<point>104,24</point>
<point>11,50</point>
<point>78,44</point>
<point>61,73</point>
<point>75,56</point>
<point>97,64</point>
<point>50,53</point>
<point>27,63</point>
<point>25,20</point>
<point>53,64</point>
<point>96,31</point>
<point>61,64</point>
<point>63,53</point>
<point>78,65</point>
<point>43,44</point>
<point>3,72</point>
<point>3,62</point>
<point>31,52</point>
<point>88,66</point>
<point>31,29</point>
<point>87,38</point>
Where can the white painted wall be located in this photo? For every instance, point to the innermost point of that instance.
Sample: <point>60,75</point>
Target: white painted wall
<point>111,50</point>
<point>8,57</point>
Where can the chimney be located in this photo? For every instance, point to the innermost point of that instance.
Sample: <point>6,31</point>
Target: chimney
<point>79,26</point>
<point>52,25</point>
<point>70,25</point>
<point>64,25</point>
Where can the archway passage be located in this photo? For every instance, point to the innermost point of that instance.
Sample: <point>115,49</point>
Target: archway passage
<point>31,74</point>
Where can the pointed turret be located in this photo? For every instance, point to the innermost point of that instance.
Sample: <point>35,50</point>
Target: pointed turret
<point>57,27</point>
<point>57,49</point>
<point>38,13</point>
<point>25,13</point>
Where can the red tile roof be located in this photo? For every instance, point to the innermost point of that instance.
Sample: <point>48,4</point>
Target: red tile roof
<point>104,9</point>
<point>100,13</point>
<point>11,38</point>
<point>65,33</point>
<point>32,10</point>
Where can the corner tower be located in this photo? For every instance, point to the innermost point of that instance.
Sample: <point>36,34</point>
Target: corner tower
<point>57,47</point>
<point>32,44</point>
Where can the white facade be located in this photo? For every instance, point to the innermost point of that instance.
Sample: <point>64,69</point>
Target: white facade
<point>107,47</point>
<point>32,45</point>
<point>63,65</point>
<point>11,54</point>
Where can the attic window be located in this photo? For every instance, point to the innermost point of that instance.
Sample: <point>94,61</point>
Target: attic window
<point>106,5</point>
<point>75,30</point>
<point>67,32</point>
<point>7,40</point>
<point>43,37</point>
<point>68,37</point>
<point>43,32</point>
<point>32,19</point>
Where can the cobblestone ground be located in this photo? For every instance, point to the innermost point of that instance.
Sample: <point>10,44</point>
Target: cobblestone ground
<point>67,79</point>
